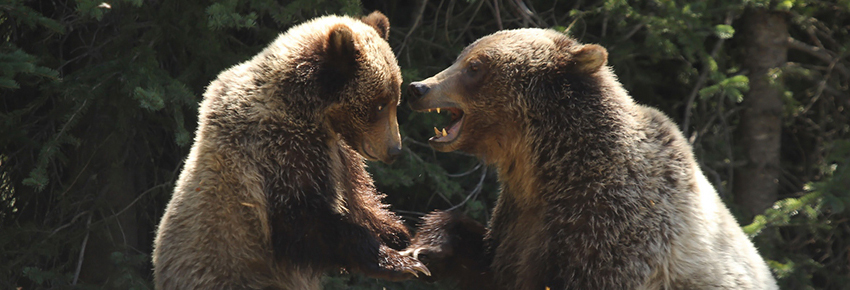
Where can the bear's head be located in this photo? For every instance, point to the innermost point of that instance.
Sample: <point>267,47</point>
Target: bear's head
<point>365,113</point>
<point>341,74</point>
<point>498,81</point>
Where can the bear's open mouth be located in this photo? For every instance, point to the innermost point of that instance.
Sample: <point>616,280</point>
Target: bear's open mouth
<point>452,131</point>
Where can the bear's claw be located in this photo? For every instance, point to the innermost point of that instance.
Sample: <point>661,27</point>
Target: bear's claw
<point>421,268</point>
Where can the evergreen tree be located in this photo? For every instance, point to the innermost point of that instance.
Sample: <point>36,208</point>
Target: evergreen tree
<point>98,105</point>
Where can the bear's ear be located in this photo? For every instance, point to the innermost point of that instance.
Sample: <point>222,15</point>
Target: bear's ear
<point>379,22</point>
<point>340,50</point>
<point>589,58</point>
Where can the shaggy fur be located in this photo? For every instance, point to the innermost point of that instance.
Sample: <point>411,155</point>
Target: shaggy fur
<point>597,192</point>
<point>452,246</point>
<point>274,192</point>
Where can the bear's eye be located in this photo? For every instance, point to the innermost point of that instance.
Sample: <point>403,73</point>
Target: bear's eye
<point>473,67</point>
<point>381,107</point>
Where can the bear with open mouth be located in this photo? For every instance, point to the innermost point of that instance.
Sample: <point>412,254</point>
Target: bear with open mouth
<point>598,192</point>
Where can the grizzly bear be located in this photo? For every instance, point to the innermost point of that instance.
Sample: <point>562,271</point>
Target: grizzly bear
<point>274,192</point>
<point>598,192</point>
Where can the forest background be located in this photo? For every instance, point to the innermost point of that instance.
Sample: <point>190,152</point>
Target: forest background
<point>98,105</point>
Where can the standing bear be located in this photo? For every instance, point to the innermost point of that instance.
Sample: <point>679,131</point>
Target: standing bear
<point>274,192</point>
<point>597,192</point>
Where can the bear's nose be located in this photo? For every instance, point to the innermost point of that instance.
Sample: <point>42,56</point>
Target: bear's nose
<point>392,153</point>
<point>417,90</point>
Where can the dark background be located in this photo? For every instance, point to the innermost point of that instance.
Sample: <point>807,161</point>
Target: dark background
<point>98,105</point>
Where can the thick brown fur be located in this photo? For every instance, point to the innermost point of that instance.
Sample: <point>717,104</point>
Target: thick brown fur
<point>597,192</point>
<point>274,192</point>
<point>453,247</point>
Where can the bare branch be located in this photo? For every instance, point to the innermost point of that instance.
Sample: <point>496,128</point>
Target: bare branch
<point>448,17</point>
<point>496,13</point>
<point>466,27</point>
<point>524,13</point>
<point>728,141</point>
<point>820,88</point>
<point>820,53</point>
<point>604,24</point>
<point>703,77</point>
<point>82,251</point>
<point>811,32</point>
<point>73,220</point>
<point>474,192</point>
<point>420,10</point>
<point>116,214</point>
<point>436,20</point>
<point>632,32</point>
<point>467,172</point>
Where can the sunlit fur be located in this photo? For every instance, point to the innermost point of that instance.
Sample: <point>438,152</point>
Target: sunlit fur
<point>597,192</point>
<point>274,192</point>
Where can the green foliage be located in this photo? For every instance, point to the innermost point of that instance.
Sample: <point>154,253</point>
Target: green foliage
<point>20,14</point>
<point>732,87</point>
<point>724,31</point>
<point>784,210</point>
<point>835,187</point>
<point>223,15</point>
<point>99,102</point>
<point>820,213</point>
<point>16,62</point>
<point>40,276</point>
<point>151,100</point>
<point>128,277</point>
<point>98,109</point>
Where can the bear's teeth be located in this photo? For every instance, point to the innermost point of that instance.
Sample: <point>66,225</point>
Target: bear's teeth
<point>444,131</point>
<point>437,131</point>
<point>438,110</point>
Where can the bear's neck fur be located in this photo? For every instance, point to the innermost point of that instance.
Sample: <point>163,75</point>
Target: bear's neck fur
<point>573,164</point>
<point>593,147</point>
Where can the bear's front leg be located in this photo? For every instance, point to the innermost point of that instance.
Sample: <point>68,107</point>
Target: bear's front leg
<point>309,233</point>
<point>453,247</point>
<point>370,256</point>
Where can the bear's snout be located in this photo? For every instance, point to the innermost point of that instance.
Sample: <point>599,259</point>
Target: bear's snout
<point>393,152</point>
<point>417,90</point>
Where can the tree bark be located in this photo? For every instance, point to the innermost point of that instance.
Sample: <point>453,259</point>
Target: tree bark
<point>764,37</point>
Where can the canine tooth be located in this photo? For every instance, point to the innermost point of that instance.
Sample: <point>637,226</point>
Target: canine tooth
<point>436,131</point>
<point>438,110</point>
<point>444,132</point>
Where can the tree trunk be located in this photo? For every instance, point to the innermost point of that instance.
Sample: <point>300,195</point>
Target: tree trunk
<point>764,34</point>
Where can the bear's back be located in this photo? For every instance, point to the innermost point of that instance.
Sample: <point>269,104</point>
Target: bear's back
<point>706,242</point>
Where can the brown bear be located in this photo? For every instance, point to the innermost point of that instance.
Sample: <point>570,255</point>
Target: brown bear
<point>274,192</point>
<point>598,192</point>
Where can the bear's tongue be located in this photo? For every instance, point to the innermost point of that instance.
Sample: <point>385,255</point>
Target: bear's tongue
<point>449,133</point>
